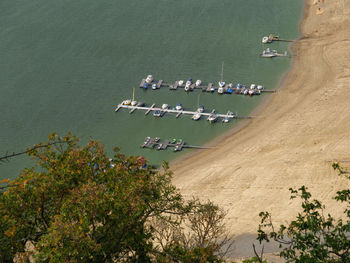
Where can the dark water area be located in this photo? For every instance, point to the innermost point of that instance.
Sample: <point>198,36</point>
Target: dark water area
<point>65,65</point>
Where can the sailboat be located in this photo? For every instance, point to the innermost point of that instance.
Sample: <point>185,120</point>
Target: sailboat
<point>221,82</point>
<point>200,109</point>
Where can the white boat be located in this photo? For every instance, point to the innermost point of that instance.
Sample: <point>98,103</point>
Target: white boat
<point>252,86</point>
<point>268,53</point>
<point>133,103</point>
<point>200,109</point>
<point>165,106</point>
<point>212,89</point>
<point>212,118</point>
<point>140,104</point>
<point>126,102</point>
<point>198,83</point>
<point>251,92</point>
<point>260,87</point>
<point>181,82</point>
<point>265,39</point>
<point>196,116</point>
<point>245,92</point>
<point>221,89</point>
<point>149,79</point>
<point>178,106</point>
<point>154,86</point>
<point>221,84</point>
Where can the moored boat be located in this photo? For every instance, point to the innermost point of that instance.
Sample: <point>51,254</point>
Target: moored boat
<point>178,106</point>
<point>149,79</point>
<point>157,113</point>
<point>154,86</point>
<point>165,106</point>
<point>196,116</point>
<point>126,102</point>
<point>198,83</point>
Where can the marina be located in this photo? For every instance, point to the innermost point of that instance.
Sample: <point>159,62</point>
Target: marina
<point>176,144</point>
<point>189,85</point>
<point>178,111</point>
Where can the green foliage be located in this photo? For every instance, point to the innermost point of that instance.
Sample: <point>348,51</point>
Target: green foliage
<point>312,236</point>
<point>81,206</point>
<point>253,260</point>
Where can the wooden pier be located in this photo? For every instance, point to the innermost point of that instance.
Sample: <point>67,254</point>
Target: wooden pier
<point>178,113</point>
<point>156,143</point>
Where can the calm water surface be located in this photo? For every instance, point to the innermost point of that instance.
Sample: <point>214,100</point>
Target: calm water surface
<point>65,65</point>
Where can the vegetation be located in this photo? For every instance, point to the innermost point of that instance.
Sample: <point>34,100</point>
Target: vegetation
<point>78,205</point>
<point>313,236</point>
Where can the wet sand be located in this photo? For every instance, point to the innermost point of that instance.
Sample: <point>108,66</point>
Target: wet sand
<point>291,142</point>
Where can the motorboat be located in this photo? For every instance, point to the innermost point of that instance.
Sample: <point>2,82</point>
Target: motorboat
<point>145,85</point>
<point>181,82</point>
<point>252,86</point>
<point>173,141</point>
<point>157,113</point>
<point>159,146</point>
<point>176,148</point>
<point>260,87</point>
<point>268,53</point>
<point>239,86</point>
<point>245,92</point>
<point>198,83</point>
<point>265,39</point>
<point>221,84</point>
<point>200,109</point>
<point>212,89</point>
<point>178,106</point>
<point>154,86</point>
<point>229,91</point>
<point>227,118</point>
<point>156,139</point>
<point>149,79</point>
<point>133,103</point>
<point>188,85</point>
<point>212,118</point>
<point>126,102</point>
<point>196,116</point>
<point>221,90</point>
<point>251,92</point>
<point>165,106</point>
<point>179,141</point>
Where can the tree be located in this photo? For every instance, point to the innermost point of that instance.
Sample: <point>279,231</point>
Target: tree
<point>312,236</point>
<point>77,205</point>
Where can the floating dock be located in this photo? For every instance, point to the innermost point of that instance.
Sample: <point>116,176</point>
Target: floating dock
<point>227,116</point>
<point>156,143</point>
<point>209,87</point>
<point>273,37</point>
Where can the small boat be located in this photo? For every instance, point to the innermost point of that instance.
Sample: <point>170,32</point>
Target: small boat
<point>221,90</point>
<point>149,79</point>
<point>165,106</point>
<point>221,84</point>
<point>251,92</point>
<point>154,86</point>
<point>239,86</point>
<point>227,118</point>
<point>173,141</point>
<point>126,102</point>
<point>229,91</point>
<point>145,86</point>
<point>179,141</point>
<point>260,87</point>
<point>176,148</point>
<point>212,89</point>
<point>212,118</point>
<point>178,106</point>
<point>196,116</point>
<point>133,103</point>
<point>140,104</point>
<point>157,113</point>
<point>159,146</point>
<point>181,82</point>
<point>268,53</point>
<point>188,85</point>
<point>245,92</point>
<point>265,39</point>
<point>156,139</point>
<point>198,83</point>
<point>200,109</point>
<point>252,86</point>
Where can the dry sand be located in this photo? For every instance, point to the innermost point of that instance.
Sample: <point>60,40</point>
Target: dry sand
<point>299,129</point>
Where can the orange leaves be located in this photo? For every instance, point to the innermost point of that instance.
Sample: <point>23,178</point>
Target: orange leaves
<point>10,232</point>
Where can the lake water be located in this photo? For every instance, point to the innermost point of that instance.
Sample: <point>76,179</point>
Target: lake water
<point>65,65</point>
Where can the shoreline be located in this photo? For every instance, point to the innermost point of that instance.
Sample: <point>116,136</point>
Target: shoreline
<point>301,127</point>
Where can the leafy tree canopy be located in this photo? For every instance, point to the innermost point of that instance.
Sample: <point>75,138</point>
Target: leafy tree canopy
<point>78,205</point>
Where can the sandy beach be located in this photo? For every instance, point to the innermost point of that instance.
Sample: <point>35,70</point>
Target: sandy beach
<point>296,134</point>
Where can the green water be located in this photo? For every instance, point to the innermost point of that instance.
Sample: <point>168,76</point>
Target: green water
<point>65,65</point>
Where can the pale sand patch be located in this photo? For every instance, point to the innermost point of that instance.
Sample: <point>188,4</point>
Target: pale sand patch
<point>301,127</point>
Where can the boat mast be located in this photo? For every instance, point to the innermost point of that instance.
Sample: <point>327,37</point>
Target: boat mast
<point>133,94</point>
<point>222,71</point>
